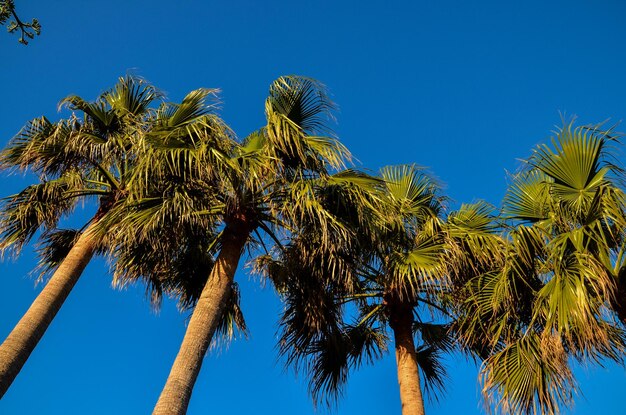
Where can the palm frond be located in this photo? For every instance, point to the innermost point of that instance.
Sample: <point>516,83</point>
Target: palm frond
<point>131,96</point>
<point>39,206</point>
<point>53,249</point>
<point>297,111</point>
<point>232,319</point>
<point>304,101</point>
<point>418,270</point>
<point>411,193</point>
<point>429,361</point>
<point>528,197</point>
<point>529,376</point>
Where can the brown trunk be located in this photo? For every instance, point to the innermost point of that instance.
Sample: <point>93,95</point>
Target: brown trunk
<point>206,315</point>
<point>22,340</point>
<point>401,322</point>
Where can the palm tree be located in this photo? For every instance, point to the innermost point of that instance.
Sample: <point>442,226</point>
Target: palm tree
<point>559,292</point>
<point>74,159</point>
<point>77,159</point>
<point>231,193</point>
<point>393,269</point>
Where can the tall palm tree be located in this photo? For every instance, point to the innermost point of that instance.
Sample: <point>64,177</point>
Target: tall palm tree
<point>233,193</point>
<point>394,268</point>
<point>74,159</point>
<point>559,291</point>
<point>77,159</point>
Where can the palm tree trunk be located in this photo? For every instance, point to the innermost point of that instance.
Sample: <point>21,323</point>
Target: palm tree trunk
<point>22,340</point>
<point>204,320</point>
<point>401,322</point>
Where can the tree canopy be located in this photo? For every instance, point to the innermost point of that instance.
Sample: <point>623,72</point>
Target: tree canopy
<point>28,30</point>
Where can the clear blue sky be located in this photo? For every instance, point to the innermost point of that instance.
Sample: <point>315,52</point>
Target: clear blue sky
<point>465,88</point>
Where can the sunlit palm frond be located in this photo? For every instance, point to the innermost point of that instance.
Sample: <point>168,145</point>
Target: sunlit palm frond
<point>479,217</point>
<point>528,197</point>
<point>304,101</point>
<point>411,193</point>
<point>570,301</point>
<point>96,113</point>
<point>419,269</point>
<point>473,242</point>
<point>131,96</point>
<point>49,148</point>
<point>500,298</point>
<point>298,110</point>
<point>574,160</point>
<point>407,183</point>
<point>24,149</point>
<point>529,376</point>
<point>39,206</point>
<point>188,142</point>
<point>195,106</point>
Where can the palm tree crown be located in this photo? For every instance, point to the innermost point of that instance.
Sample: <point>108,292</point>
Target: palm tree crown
<point>394,267</point>
<point>227,195</point>
<point>74,159</point>
<point>102,154</point>
<point>559,290</point>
